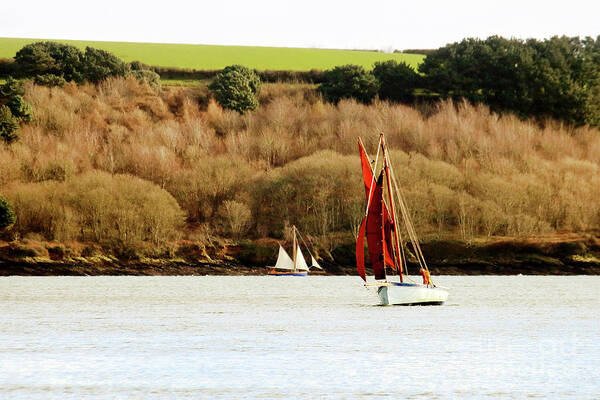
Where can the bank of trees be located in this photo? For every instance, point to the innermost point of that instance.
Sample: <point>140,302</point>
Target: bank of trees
<point>119,162</point>
<point>554,78</point>
<point>557,77</point>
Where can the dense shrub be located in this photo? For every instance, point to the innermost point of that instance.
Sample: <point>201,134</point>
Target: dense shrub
<point>19,108</point>
<point>147,76</point>
<point>54,58</point>
<point>397,81</point>
<point>13,109</point>
<point>349,81</point>
<point>236,88</point>
<point>100,64</point>
<point>7,215</point>
<point>314,192</point>
<point>11,88</point>
<point>214,180</point>
<point>464,169</point>
<point>9,125</point>
<point>50,80</point>
<point>97,206</point>
<point>557,77</point>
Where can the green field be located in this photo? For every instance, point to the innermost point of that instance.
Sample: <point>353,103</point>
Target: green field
<point>208,57</point>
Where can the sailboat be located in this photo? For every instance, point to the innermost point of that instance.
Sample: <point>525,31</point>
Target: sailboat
<point>384,239</point>
<point>295,265</point>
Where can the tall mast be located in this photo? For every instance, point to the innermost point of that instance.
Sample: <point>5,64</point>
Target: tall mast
<point>295,251</point>
<point>392,210</point>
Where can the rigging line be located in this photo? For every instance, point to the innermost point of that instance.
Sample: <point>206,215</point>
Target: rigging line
<point>373,175</point>
<point>410,227</point>
<point>303,241</point>
<point>386,168</point>
<point>413,236</point>
<point>404,262</point>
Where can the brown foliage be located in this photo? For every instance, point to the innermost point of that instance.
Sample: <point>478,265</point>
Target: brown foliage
<point>463,169</point>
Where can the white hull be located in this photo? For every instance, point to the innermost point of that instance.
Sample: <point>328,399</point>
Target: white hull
<point>392,293</point>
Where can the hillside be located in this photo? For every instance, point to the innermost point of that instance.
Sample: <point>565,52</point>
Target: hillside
<point>208,57</point>
<point>123,170</point>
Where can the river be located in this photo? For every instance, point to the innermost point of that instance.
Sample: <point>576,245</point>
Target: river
<point>296,337</point>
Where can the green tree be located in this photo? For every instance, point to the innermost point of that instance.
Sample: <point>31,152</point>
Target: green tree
<point>397,81</point>
<point>236,88</point>
<point>48,57</point>
<point>11,95</point>
<point>349,81</point>
<point>557,77</point>
<point>9,125</point>
<point>100,64</point>
<point>7,215</point>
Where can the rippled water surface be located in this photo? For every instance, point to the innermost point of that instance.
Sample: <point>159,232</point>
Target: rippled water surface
<point>296,337</point>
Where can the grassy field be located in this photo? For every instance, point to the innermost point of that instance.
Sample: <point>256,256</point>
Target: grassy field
<point>207,57</point>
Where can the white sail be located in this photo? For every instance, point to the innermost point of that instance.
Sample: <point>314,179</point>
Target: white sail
<point>284,261</point>
<point>314,263</point>
<point>300,261</point>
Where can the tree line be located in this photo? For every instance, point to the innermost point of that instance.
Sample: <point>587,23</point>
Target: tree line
<point>557,77</point>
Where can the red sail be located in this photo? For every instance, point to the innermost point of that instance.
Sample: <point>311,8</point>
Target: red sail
<point>374,227</point>
<point>360,250</point>
<point>387,240</point>
<point>367,172</point>
<point>368,178</point>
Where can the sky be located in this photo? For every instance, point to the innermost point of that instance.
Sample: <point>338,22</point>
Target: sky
<point>350,24</point>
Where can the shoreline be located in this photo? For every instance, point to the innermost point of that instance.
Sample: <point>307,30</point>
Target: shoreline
<point>33,267</point>
<point>567,254</point>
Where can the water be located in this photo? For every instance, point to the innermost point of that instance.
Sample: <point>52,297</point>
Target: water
<point>294,337</point>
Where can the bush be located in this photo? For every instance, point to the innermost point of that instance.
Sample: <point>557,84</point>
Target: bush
<point>54,58</point>
<point>11,88</point>
<point>7,215</point>
<point>100,64</point>
<point>20,109</point>
<point>11,95</point>
<point>147,76</point>
<point>349,81</point>
<point>9,125</point>
<point>68,62</point>
<point>97,206</point>
<point>50,80</point>
<point>13,109</point>
<point>236,88</point>
<point>397,81</point>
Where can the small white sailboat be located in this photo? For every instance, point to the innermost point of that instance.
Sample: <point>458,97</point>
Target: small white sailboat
<point>292,266</point>
<point>384,240</point>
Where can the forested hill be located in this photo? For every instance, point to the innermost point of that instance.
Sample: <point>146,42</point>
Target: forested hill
<point>98,160</point>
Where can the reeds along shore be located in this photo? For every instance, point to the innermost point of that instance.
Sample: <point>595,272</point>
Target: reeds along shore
<point>124,165</point>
